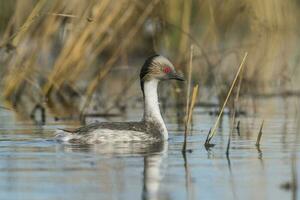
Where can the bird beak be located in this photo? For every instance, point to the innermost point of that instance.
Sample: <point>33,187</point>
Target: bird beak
<point>176,77</point>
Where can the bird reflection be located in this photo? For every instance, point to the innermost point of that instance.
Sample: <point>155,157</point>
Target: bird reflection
<point>115,149</point>
<point>155,155</point>
<point>154,171</point>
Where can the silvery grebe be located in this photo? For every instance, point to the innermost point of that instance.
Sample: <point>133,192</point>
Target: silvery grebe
<point>151,128</point>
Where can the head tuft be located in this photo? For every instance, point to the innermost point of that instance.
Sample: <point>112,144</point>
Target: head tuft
<point>146,67</point>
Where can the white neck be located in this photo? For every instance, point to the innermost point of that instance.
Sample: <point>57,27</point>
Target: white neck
<point>151,106</point>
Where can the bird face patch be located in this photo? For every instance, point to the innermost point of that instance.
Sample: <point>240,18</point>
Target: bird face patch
<point>167,69</point>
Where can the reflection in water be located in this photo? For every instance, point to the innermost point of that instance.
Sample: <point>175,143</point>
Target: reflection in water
<point>231,178</point>
<point>32,163</point>
<point>117,148</point>
<point>260,153</point>
<point>188,179</point>
<point>155,155</point>
<point>154,170</point>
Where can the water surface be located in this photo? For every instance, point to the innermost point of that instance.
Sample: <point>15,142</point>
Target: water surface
<point>34,166</point>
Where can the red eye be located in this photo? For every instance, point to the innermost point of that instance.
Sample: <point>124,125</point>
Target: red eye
<point>167,70</point>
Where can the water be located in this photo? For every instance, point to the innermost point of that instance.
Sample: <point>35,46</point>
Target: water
<point>34,166</point>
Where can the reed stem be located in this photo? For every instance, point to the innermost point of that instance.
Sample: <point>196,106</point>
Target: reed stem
<point>190,113</point>
<point>235,108</point>
<point>190,69</point>
<point>226,100</point>
<point>259,134</point>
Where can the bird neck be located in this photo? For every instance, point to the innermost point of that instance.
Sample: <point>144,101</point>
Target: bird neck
<point>151,105</point>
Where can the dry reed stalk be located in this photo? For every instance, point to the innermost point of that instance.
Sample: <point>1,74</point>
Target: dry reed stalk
<point>17,37</point>
<point>18,73</point>
<point>64,15</point>
<point>67,54</point>
<point>24,64</point>
<point>219,18</point>
<point>238,129</point>
<point>231,131</point>
<point>294,182</point>
<point>185,26</point>
<point>69,66</point>
<point>212,133</point>
<point>79,42</point>
<point>235,107</point>
<point>189,117</point>
<point>104,44</point>
<point>190,69</point>
<point>259,134</point>
<point>99,35</point>
<point>192,104</point>
<point>109,64</point>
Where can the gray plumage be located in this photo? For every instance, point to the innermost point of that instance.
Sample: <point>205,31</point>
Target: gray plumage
<point>151,128</point>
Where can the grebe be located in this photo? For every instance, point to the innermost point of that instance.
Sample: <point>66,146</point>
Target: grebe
<point>151,128</point>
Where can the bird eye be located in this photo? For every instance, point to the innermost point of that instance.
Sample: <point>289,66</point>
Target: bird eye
<point>167,69</point>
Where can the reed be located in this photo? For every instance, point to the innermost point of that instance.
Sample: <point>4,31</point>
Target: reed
<point>238,129</point>
<point>76,45</point>
<point>109,64</point>
<point>15,38</point>
<point>294,182</point>
<point>230,133</point>
<point>259,134</point>
<point>188,105</point>
<point>185,26</point>
<point>212,133</point>
<point>189,116</point>
<point>235,108</point>
<point>70,59</point>
<point>71,62</point>
<point>190,71</point>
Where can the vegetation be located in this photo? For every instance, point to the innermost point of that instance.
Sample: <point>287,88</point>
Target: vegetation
<point>59,54</point>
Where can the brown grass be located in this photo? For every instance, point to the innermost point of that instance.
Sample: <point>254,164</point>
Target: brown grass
<point>58,45</point>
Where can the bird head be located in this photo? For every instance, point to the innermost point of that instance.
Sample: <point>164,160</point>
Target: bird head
<point>160,68</point>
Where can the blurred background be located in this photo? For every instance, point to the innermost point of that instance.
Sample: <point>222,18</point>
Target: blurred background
<point>79,58</point>
<point>64,63</point>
